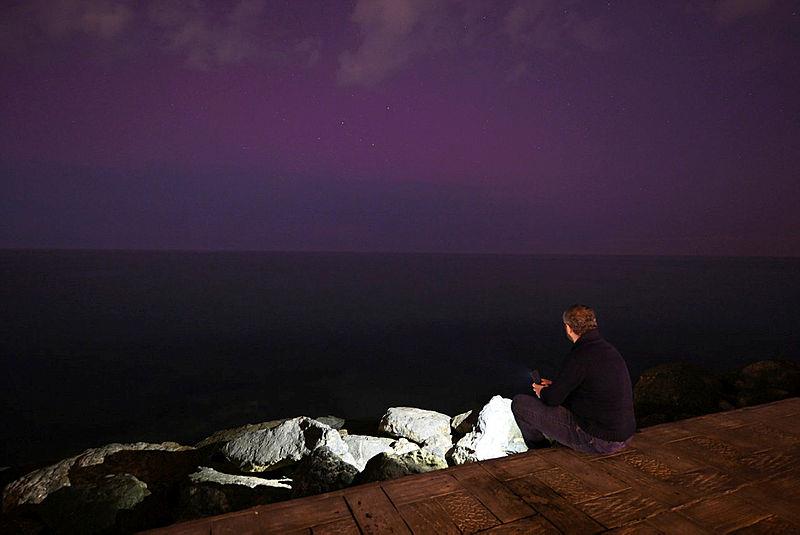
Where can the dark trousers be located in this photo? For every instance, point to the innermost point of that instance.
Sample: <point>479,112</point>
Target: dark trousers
<point>538,422</point>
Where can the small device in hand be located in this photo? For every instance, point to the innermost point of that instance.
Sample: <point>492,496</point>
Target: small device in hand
<point>536,378</point>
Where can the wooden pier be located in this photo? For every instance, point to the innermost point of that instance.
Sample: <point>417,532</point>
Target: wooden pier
<point>730,472</point>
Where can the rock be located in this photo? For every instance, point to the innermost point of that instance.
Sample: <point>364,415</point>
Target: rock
<point>34,487</point>
<point>92,508</point>
<point>283,445</point>
<point>332,421</point>
<point>765,381</point>
<point>389,466</point>
<point>211,492</point>
<point>208,475</point>
<point>322,471</point>
<point>438,446</point>
<point>364,447</point>
<point>673,391</point>
<point>496,434</point>
<point>427,428</point>
<point>401,446</point>
<point>463,423</point>
<point>226,435</point>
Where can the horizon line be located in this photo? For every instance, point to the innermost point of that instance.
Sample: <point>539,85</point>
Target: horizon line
<point>366,252</point>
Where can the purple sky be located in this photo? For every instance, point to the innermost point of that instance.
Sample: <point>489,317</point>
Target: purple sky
<point>402,125</point>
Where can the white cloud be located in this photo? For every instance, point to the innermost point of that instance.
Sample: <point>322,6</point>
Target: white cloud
<point>96,18</point>
<point>189,30</point>
<point>387,29</point>
<point>729,11</point>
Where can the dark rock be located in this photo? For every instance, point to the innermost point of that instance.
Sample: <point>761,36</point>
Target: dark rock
<point>463,423</point>
<point>322,471</point>
<point>92,508</point>
<point>331,421</point>
<point>674,391</point>
<point>148,462</point>
<point>210,492</point>
<point>102,483</point>
<point>388,466</point>
<point>765,381</point>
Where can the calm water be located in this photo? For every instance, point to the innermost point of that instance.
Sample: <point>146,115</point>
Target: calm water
<point>122,346</point>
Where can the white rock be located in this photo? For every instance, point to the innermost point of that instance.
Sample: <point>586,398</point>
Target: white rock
<point>402,446</point>
<point>206,474</point>
<point>364,447</point>
<point>429,429</point>
<point>285,444</point>
<point>35,486</point>
<point>426,428</point>
<point>496,434</point>
<point>460,424</point>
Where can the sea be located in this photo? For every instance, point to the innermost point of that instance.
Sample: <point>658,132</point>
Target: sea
<point>123,346</point>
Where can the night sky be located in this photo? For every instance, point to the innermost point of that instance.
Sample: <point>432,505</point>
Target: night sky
<point>402,125</point>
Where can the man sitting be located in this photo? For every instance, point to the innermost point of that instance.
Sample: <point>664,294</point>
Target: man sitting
<point>589,406</point>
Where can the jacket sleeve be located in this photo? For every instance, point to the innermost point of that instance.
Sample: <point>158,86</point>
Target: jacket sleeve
<point>571,376</point>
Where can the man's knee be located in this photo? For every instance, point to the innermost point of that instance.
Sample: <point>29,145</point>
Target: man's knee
<point>522,402</point>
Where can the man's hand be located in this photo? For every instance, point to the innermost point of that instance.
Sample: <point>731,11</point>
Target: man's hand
<point>547,382</point>
<point>538,388</point>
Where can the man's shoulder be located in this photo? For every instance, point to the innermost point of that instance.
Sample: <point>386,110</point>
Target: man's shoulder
<point>599,347</point>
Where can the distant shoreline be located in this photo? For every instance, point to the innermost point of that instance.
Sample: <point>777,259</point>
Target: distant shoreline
<point>544,255</point>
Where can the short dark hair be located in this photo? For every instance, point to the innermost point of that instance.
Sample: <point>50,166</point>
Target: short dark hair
<point>580,318</point>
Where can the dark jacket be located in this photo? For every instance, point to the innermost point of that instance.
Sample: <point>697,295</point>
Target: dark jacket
<point>594,384</point>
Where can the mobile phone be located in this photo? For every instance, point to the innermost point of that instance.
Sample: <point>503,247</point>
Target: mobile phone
<point>535,377</point>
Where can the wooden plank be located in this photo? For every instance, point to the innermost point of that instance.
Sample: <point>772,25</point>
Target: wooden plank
<point>622,508</point>
<point>745,439</point>
<point>676,460</point>
<point>788,424</point>
<point>780,496</point>
<point>772,525</point>
<point>723,513</point>
<point>664,432</point>
<point>637,528</point>
<point>663,482</point>
<point>784,407</point>
<point>672,522</point>
<point>712,452</point>
<point>466,512</point>
<point>193,527</point>
<point>642,478</point>
<point>345,526</point>
<point>503,503</point>
<point>646,463</point>
<point>573,488</point>
<point>762,464</point>
<point>593,457</point>
<point>302,513</point>
<point>428,517</point>
<point>521,464</point>
<point>405,490</point>
<point>718,420</point>
<point>244,524</point>
<point>594,475</point>
<point>705,481</point>
<point>373,511</point>
<point>536,525</point>
<point>560,512</point>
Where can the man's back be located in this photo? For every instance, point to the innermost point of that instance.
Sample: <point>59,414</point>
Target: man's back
<point>595,385</point>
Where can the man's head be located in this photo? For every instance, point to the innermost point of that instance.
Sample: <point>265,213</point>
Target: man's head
<point>578,319</point>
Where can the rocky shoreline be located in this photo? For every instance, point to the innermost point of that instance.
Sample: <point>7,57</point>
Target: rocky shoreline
<point>129,487</point>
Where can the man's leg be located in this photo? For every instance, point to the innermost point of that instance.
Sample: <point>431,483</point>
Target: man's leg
<point>538,421</point>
